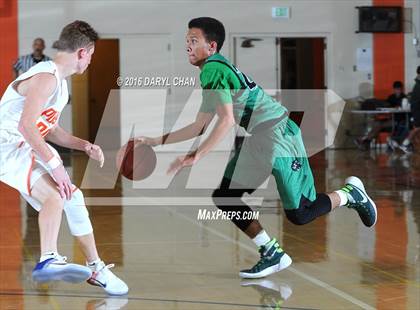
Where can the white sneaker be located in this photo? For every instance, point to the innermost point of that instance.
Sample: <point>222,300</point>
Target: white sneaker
<point>56,268</point>
<point>103,277</point>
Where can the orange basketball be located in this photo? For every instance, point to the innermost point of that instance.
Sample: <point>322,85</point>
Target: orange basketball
<point>136,163</point>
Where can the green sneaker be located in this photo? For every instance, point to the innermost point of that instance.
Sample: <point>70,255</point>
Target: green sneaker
<point>273,259</point>
<point>360,201</point>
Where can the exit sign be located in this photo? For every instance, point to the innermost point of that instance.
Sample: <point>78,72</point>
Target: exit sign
<point>280,12</point>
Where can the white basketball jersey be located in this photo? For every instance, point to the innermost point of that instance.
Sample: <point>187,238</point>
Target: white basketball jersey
<point>12,103</point>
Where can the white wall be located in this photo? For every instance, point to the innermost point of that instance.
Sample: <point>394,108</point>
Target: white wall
<point>336,20</point>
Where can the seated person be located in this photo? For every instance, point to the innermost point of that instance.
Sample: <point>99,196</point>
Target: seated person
<point>380,124</point>
<point>408,143</point>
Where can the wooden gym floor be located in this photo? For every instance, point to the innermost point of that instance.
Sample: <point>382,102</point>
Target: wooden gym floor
<point>171,260</point>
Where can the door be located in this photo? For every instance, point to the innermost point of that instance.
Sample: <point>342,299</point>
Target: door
<point>103,73</point>
<point>90,92</point>
<point>302,62</point>
<point>257,58</point>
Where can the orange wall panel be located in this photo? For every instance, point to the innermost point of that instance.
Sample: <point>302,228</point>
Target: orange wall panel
<point>10,219</point>
<point>388,56</point>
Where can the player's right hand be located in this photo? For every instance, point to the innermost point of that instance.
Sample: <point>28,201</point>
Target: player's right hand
<point>146,140</point>
<point>63,181</point>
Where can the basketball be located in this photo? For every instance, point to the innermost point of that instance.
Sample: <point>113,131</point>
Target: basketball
<point>136,163</point>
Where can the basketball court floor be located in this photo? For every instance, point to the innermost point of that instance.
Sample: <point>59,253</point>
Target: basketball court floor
<point>171,260</point>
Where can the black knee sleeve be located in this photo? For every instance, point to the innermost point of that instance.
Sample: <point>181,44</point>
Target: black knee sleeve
<point>230,200</point>
<point>309,210</point>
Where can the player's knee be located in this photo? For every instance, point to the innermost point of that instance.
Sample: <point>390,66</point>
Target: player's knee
<point>297,220</point>
<point>78,215</point>
<point>297,217</point>
<point>54,199</point>
<point>47,195</point>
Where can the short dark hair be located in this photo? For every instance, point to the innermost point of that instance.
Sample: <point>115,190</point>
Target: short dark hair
<point>76,35</point>
<point>397,84</point>
<point>212,28</point>
<point>39,39</point>
<point>418,70</point>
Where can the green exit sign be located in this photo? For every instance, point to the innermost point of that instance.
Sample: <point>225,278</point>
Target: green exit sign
<point>280,12</point>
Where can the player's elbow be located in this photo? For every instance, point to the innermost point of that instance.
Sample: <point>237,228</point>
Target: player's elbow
<point>204,128</point>
<point>24,127</point>
<point>201,127</point>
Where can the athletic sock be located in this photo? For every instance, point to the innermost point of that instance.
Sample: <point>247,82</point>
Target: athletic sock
<point>343,197</point>
<point>261,239</point>
<point>47,255</point>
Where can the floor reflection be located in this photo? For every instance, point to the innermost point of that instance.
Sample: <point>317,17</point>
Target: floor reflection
<point>172,261</point>
<point>273,293</point>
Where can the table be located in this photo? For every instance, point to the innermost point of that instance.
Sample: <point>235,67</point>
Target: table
<point>391,111</point>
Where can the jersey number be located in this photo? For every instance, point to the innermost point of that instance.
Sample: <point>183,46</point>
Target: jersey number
<point>249,83</point>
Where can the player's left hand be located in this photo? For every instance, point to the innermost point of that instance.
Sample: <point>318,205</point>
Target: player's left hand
<point>95,152</point>
<point>183,161</point>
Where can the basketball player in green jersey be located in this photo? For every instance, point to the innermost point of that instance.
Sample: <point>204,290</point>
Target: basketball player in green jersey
<point>274,147</point>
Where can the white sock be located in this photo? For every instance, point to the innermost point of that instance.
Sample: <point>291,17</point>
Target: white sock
<point>261,239</point>
<point>406,142</point>
<point>343,197</point>
<point>47,255</point>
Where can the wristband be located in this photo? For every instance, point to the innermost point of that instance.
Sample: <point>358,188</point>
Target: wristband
<point>54,162</point>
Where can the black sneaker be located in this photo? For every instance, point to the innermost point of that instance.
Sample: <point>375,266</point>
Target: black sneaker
<point>273,259</point>
<point>359,200</point>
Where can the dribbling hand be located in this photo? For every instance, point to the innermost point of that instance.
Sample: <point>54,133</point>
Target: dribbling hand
<point>95,152</point>
<point>146,140</point>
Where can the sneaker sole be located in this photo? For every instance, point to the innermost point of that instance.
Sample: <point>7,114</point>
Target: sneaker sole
<point>357,183</point>
<point>116,293</point>
<point>285,261</point>
<point>71,273</point>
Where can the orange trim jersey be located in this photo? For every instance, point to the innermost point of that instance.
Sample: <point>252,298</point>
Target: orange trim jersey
<point>12,103</point>
<point>20,167</point>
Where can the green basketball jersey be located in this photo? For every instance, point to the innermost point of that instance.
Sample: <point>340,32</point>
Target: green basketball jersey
<point>223,83</point>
